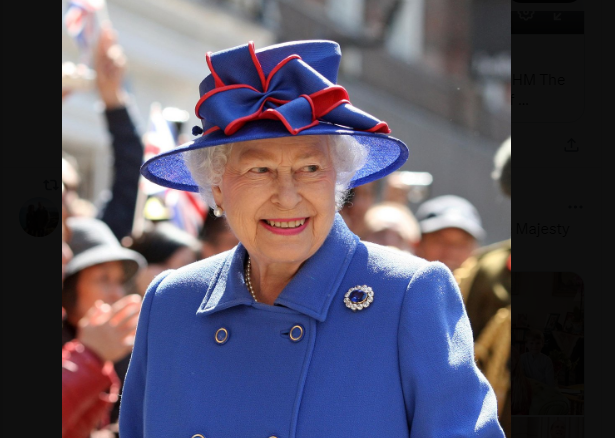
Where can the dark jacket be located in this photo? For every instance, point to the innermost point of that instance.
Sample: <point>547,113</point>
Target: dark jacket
<point>117,207</point>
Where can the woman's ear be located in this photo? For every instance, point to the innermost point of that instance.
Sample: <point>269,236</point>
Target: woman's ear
<point>218,197</point>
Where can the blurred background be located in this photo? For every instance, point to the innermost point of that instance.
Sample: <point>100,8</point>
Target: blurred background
<point>437,71</point>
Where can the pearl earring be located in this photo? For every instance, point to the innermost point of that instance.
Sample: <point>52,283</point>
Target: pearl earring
<point>218,212</point>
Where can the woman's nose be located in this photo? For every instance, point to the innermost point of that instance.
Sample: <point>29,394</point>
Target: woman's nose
<point>287,194</point>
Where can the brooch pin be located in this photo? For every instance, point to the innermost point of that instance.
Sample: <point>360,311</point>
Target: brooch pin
<point>359,297</point>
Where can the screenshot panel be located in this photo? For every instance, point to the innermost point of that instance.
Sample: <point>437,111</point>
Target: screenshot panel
<point>559,99</point>
<point>558,313</point>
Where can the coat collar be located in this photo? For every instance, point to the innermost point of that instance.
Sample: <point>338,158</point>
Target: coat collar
<point>310,292</point>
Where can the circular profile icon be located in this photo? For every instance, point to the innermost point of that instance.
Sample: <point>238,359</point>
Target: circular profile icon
<point>39,217</point>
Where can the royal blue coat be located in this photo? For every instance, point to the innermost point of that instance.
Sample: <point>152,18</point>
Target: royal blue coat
<point>308,366</point>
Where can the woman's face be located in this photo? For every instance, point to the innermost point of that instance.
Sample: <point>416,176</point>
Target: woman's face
<point>279,197</point>
<point>103,282</point>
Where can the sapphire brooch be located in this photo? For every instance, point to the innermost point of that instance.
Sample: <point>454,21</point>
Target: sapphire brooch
<point>359,297</point>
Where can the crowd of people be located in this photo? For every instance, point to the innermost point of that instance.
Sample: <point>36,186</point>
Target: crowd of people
<point>106,268</point>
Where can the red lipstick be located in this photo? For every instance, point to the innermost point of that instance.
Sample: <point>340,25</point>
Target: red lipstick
<point>286,231</point>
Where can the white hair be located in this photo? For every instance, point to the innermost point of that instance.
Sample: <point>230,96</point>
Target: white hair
<point>207,165</point>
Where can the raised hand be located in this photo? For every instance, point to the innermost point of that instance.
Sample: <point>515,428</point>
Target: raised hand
<point>109,329</point>
<point>110,67</point>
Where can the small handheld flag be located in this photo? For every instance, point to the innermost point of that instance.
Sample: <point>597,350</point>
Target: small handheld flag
<point>82,20</point>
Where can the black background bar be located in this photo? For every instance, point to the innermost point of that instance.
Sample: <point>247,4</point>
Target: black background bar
<point>547,22</point>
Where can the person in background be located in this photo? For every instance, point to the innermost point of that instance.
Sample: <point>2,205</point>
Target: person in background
<point>164,246</point>
<point>492,351</point>
<point>537,365</point>
<point>358,201</point>
<point>485,283</point>
<point>530,390</point>
<point>90,385</point>
<point>485,277</point>
<point>530,396</point>
<point>392,224</point>
<point>71,180</point>
<point>94,289</point>
<point>116,207</point>
<point>451,230</point>
<point>216,236</point>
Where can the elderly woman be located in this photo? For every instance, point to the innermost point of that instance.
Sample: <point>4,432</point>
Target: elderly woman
<point>301,330</point>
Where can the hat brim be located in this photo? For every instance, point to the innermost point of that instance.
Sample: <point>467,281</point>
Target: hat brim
<point>131,260</point>
<point>440,223</point>
<point>386,153</point>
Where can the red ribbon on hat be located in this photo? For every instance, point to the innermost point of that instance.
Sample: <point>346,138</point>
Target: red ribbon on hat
<point>293,93</point>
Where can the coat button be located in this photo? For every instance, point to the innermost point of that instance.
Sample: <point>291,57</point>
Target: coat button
<point>296,333</point>
<point>198,435</point>
<point>222,335</point>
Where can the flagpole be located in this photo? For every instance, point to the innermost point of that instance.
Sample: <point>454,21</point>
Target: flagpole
<point>138,221</point>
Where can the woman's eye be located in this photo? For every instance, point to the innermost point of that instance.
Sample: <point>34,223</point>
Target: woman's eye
<point>259,170</point>
<point>312,168</point>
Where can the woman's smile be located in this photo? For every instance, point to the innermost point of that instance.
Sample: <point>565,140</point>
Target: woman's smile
<point>286,227</point>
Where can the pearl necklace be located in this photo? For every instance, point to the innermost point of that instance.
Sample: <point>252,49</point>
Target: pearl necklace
<point>248,282</point>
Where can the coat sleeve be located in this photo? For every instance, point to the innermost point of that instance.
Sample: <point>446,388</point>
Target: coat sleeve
<point>131,417</point>
<point>445,393</point>
<point>118,209</point>
<point>89,389</point>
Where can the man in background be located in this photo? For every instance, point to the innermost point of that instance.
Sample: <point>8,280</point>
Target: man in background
<point>451,230</point>
<point>485,277</point>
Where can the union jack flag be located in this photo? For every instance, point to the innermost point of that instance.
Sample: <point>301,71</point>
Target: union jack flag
<point>82,22</point>
<point>187,210</point>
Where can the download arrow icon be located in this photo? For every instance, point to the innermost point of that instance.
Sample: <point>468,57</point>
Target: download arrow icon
<point>557,16</point>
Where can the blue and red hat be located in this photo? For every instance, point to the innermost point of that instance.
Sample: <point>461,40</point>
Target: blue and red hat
<point>282,90</point>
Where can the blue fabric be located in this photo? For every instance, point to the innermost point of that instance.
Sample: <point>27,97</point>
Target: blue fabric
<point>385,153</point>
<point>288,83</point>
<point>402,367</point>
<point>229,108</point>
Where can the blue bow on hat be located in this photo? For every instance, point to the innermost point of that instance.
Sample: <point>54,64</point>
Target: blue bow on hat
<point>293,92</point>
